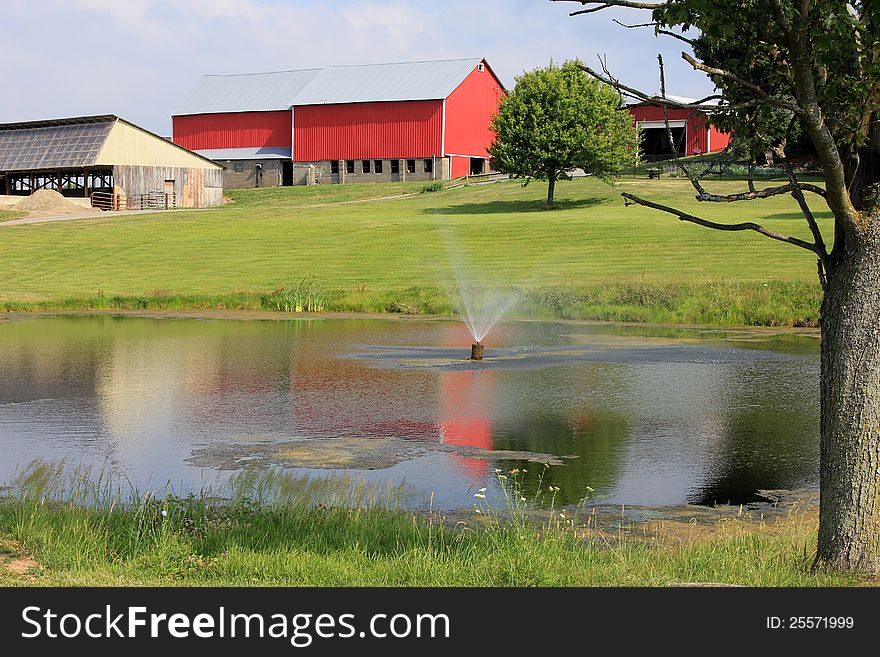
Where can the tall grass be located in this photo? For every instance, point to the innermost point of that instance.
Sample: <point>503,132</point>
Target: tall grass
<point>305,295</point>
<point>276,530</point>
<point>722,302</point>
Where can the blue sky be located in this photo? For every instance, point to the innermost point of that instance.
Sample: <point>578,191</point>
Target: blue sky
<point>137,58</point>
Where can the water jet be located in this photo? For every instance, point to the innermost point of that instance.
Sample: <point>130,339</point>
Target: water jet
<point>477,351</point>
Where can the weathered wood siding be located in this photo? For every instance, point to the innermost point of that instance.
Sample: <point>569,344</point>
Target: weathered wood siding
<point>195,188</point>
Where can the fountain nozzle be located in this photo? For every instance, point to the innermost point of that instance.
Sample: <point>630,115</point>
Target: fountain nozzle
<point>477,351</point>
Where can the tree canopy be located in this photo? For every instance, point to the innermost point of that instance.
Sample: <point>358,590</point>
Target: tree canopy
<point>784,69</point>
<point>557,119</point>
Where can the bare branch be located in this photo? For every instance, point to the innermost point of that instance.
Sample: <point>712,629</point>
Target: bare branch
<point>797,193</point>
<point>748,225</point>
<point>672,145</point>
<point>657,30</point>
<point>767,192</point>
<point>605,4</point>
<point>642,96</point>
<point>823,277</point>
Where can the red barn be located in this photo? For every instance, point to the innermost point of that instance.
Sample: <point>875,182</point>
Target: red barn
<point>691,132</point>
<point>376,122</point>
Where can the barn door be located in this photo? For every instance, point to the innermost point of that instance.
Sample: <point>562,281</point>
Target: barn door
<point>170,201</point>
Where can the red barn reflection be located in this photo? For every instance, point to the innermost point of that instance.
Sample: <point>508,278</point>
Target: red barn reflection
<point>467,413</point>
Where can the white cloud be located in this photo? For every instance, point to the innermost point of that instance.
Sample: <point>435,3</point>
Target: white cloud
<point>138,57</point>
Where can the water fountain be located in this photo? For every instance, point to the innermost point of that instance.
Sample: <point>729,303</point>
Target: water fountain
<point>481,306</point>
<point>477,351</point>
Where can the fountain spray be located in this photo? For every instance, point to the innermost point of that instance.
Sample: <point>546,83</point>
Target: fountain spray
<point>480,306</point>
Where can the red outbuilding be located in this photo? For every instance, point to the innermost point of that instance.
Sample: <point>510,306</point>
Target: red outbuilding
<point>691,132</point>
<point>405,121</point>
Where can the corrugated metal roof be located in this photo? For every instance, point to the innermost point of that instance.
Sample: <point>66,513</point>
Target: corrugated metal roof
<point>259,153</point>
<point>251,92</point>
<point>330,85</point>
<point>46,123</point>
<point>52,144</point>
<point>684,100</point>
<point>386,82</point>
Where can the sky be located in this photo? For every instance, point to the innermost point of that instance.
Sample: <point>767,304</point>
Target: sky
<point>138,58</point>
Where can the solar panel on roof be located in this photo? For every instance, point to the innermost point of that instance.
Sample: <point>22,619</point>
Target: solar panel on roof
<point>55,147</point>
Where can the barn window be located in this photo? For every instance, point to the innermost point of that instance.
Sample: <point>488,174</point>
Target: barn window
<point>480,67</point>
<point>349,166</point>
<point>377,166</point>
<point>237,167</point>
<point>429,166</point>
<point>395,166</point>
<point>410,166</point>
<point>334,166</point>
<point>365,166</point>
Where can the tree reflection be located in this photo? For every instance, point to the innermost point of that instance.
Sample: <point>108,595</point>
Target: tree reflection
<point>595,438</point>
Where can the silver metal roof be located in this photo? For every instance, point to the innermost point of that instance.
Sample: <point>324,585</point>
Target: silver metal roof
<point>383,82</point>
<point>52,144</point>
<point>259,153</point>
<point>324,86</point>
<point>251,92</point>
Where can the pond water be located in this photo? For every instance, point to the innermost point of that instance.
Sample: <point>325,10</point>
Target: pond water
<point>616,414</point>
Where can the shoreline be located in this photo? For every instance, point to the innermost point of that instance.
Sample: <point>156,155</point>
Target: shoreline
<point>274,315</point>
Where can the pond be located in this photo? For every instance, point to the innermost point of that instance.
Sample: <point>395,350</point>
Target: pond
<point>616,414</point>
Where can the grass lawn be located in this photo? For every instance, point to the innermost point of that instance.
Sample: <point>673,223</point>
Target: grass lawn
<point>590,258</point>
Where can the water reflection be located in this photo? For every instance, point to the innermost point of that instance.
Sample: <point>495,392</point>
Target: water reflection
<point>652,416</point>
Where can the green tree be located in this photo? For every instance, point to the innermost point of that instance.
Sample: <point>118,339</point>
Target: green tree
<point>557,119</point>
<point>817,64</point>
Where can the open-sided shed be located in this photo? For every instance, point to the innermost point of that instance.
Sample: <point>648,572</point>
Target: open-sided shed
<point>106,159</point>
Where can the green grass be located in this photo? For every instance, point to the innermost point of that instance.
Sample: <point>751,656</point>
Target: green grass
<point>589,258</point>
<point>9,215</point>
<point>274,534</point>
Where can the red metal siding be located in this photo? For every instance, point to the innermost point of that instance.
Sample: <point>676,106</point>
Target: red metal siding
<point>469,110</point>
<point>461,166</point>
<point>355,131</point>
<point>697,127</point>
<point>233,130</point>
<point>718,140</point>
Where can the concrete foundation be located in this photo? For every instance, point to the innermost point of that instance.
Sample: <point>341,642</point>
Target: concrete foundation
<point>245,174</point>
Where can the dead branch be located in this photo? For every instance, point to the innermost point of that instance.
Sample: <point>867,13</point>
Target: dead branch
<point>605,4</point>
<point>657,30</point>
<point>767,192</point>
<point>640,95</point>
<point>797,193</point>
<point>748,225</point>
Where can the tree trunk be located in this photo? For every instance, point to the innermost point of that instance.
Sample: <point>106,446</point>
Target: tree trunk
<point>551,186</point>
<point>849,522</point>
